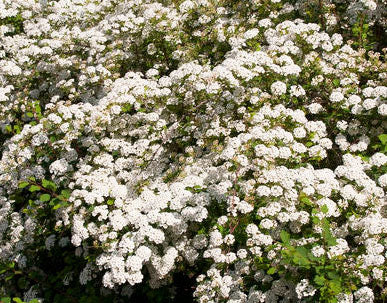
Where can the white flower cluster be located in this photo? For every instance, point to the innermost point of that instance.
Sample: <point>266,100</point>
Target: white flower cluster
<point>194,134</point>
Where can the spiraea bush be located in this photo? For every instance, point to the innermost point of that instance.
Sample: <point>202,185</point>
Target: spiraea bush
<point>199,150</point>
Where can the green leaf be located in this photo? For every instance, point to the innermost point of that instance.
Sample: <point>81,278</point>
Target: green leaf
<point>65,193</point>
<point>285,237</point>
<point>327,235</point>
<point>335,286</point>
<point>126,108</point>
<point>324,209</point>
<point>336,82</point>
<point>333,275</point>
<point>308,144</point>
<point>38,109</point>
<point>17,129</point>
<point>22,283</point>
<point>306,201</point>
<point>59,205</point>
<point>319,280</point>
<point>45,197</point>
<point>271,271</point>
<point>301,257</point>
<point>34,188</point>
<point>23,184</point>
<point>302,251</point>
<point>383,138</point>
<point>49,184</point>
<point>17,300</point>
<point>5,300</point>
<point>8,128</point>
<point>30,115</point>
<point>315,220</point>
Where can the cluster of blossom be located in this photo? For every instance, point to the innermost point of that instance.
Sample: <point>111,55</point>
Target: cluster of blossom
<point>287,212</point>
<point>370,10</point>
<point>162,119</point>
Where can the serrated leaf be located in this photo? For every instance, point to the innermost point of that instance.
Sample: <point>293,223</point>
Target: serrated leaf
<point>383,138</point>
<point>335,286</point>
<point>325,209</point>
<point>327,234</point>
<point>271,271</point>
<point>34,188</point>
<point>306,201</point>
<point>302,251</point>
<point>45,197</point>
<point>17,129</point>
<point>319,280</point>
<point>23,184</point>
<point>333,275</point>
<point>301,257</point>
<point>285,237</point>
<point>315,220</point>
<point>49,184</point>
<point>59,205</point>
<point>308,144</point>
<point>65,193</point>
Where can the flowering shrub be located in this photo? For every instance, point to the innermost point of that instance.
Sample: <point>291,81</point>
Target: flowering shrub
<point>223,151</point>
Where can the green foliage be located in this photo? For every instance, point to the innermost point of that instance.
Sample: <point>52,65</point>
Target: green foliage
<point>361,30</point>
<point>382,146</point>
<point>16,22</point>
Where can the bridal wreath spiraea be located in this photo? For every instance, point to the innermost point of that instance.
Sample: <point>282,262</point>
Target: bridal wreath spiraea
<point>240,145</point>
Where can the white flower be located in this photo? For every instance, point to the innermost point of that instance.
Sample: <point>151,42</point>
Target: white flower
<point>59,167</point>
<point>378,159</point>
<point>251,33</point>
<point>278,88</point>
<point>318,251</point>
<point>229,239</point>
<point>50,242</point>
<point>304,289</point>
<point>264,22</point>
<point>297,90</point>
<point>315,108</point>
<point>336,97</point>
<point>151,49</point>
<point>186,6</point>
<point>222,220</point>
<point>364,295</point>
<point>382,109</point>
<point>371,5</point>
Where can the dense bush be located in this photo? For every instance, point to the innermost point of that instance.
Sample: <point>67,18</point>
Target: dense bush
<point>204,150</point>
